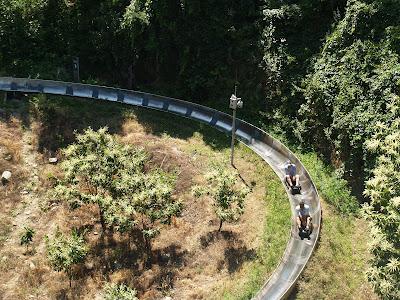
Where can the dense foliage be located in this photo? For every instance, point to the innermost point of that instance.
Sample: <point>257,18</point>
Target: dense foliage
<point>384,210</point>
<point>133,43</point>
<point>350,87</point>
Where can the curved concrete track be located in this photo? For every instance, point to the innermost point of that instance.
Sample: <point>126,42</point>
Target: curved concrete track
<point>297,252</point>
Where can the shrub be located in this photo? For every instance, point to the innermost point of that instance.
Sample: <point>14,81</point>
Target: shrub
<point>119,292</point>
<point>227,193</point>
<point>65,252</point>
<point>27,237</point>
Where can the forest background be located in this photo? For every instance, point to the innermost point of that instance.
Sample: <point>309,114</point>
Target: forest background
<point>324,75</point>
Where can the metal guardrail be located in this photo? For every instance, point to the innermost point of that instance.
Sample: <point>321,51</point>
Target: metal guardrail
<point>298,252</point>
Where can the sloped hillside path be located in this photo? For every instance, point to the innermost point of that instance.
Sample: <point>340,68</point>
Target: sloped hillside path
<point>27,213</point>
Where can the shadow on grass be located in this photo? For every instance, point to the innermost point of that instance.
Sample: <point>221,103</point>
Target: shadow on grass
<point>160,123</point>
<point>235,257</point>
<point>213,236</point>
<point>61,116</point>
<point>235,253</point>
<point>17,105</point>
<point>170,256</point>
<point>111,255</point>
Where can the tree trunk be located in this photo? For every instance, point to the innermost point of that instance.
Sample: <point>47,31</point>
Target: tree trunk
<point>102,221</point>
<point>70,278</point>
<point>149,254</point>
<point>131,77</point>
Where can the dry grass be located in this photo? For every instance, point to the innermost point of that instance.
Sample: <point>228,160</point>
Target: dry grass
<point>10,154</point>
<point>191,260</point>
<point>10,139</point>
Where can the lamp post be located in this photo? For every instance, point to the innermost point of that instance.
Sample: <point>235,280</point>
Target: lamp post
<point>234,103</point>
<point>75,68</point>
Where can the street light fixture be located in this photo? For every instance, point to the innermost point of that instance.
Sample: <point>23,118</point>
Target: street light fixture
<point>75,68</point>
<point>234,103</point>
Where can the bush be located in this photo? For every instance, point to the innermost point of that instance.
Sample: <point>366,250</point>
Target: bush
<point>119,292</point>
<point>227,193</point>
<point>65,252</point>
<point>27,237</point>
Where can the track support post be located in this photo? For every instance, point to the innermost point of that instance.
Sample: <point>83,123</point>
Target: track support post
<point>234,103</point>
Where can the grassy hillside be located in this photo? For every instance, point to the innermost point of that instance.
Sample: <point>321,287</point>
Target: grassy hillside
<point>202,263</point>
<point>191,259</point>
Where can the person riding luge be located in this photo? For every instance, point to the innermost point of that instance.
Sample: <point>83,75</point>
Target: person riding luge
<point>303,218</point>
<point>291,177</point>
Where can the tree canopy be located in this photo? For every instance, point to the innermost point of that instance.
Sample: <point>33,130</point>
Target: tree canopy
<point>100,170</point>
<point>226,191</point>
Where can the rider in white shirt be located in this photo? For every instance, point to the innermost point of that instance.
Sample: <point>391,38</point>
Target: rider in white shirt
<point>303,217</point>
<point>290,174</point>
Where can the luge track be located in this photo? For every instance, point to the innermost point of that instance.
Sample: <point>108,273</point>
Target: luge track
<point>298,252</point>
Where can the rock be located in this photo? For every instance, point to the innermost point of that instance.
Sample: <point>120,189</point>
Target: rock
<point>8,157</point>
<point>4,258</point>
<point>32,266</point>
<point>24,192</point>
<point>167,298</point>
<point>53,160</point>
<point>27,212</point>
<point>89,265</point>
<point>95,233</point>
<point>6,176</point>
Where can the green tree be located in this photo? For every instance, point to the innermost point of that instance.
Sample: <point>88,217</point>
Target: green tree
<point>227,193</point>
<point>383,212</point>
<point>348,89</point>
<point>119,292</point>
<point>135,21</point>
<point>154,203</point>
<point>292,32</point>
<point>101,171</point>
<point>63,252</point>
<point>27,237</point>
